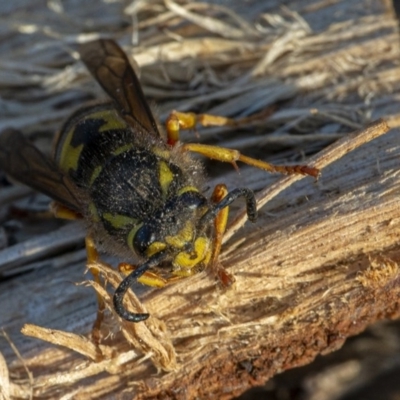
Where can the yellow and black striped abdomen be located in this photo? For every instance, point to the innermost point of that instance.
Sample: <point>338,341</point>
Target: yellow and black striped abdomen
<point>88,139</point>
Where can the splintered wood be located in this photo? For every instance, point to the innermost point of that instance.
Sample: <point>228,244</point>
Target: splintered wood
<point>305,281</point>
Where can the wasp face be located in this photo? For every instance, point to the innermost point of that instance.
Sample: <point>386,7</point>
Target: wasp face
<point>174,228</point>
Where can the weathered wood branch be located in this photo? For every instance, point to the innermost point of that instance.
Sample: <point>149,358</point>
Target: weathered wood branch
<point>319,266</point>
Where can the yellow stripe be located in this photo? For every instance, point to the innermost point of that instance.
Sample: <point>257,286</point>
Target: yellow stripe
<point>69,156</point>
<point>113,121</point>
<point>187,189</point>
<point>165,176</point>
<point>95,174</point>
<point>122,149</point>
<point>118,221</point>
<point>94,215</point>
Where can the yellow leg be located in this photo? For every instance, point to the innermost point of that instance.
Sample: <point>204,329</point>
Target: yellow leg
<point>63,212</point>
<point>231,156</point>
<point>188,120</point>
<point>178,120</point>
<point>220,224</point>
<point>220,221</point>
<point>92,258</point>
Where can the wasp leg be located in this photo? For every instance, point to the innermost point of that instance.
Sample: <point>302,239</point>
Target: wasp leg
<point>179,120</point>
<point>60,211</point>
<point>218,212</point>
<point>92,259</point>
<point>215,209</point>
<point>230,155</point>
<point>220,223</point>
<point>188,120</point>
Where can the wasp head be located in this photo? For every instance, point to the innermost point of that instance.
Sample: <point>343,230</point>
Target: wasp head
<point>174,228</point>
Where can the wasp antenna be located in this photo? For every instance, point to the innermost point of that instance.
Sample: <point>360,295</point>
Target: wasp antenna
<point>251,206</point>
<point>123,287</point>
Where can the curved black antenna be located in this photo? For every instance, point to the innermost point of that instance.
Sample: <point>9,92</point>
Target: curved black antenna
<point>251,206</point>
<point>126,284</point>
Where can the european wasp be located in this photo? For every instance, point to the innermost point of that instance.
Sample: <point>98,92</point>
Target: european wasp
<point>136,187</point>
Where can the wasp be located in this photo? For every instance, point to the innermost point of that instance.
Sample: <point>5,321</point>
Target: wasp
<point>137,187</point>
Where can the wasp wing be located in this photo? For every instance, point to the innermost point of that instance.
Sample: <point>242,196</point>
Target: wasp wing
<point>108,63</point>
<point>25,163</point>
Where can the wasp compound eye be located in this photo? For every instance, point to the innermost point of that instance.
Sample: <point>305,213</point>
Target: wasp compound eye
<point>143,238</point>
